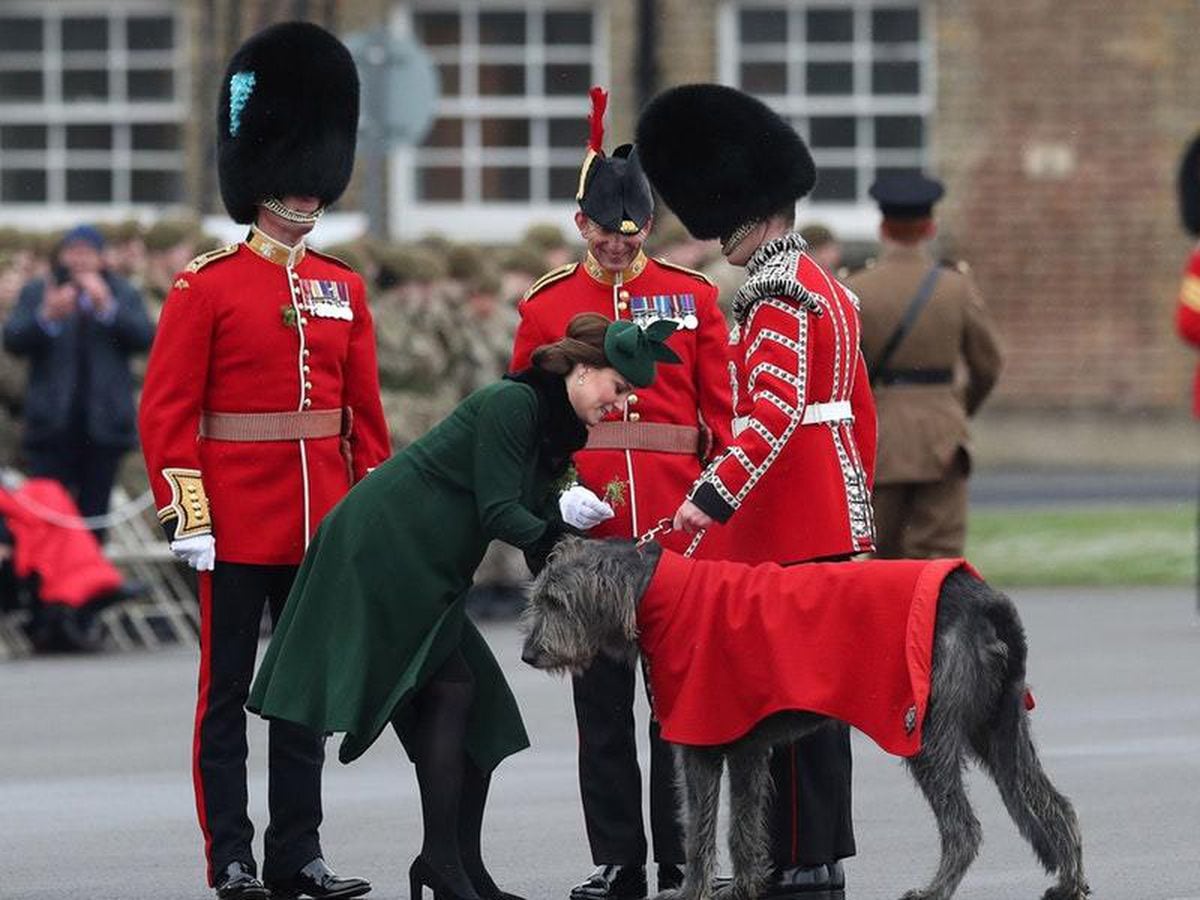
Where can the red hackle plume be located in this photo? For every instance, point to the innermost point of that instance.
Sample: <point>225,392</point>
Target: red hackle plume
<point>599,105</point>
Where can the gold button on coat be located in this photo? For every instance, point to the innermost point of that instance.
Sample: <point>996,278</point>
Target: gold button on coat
<point>633,417</point>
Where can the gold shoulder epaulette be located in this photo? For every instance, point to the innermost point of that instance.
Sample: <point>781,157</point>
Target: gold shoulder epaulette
<point>679,268</point>
<point>549,278</point>
<point>331,258</point>
<point>210,257</point>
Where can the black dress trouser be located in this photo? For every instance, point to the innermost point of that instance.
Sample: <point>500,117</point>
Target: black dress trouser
<point>231,607</point>
<point>810,818</point>
<point>610,780</point>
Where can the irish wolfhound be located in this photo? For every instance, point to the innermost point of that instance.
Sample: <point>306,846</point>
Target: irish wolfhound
<point>586,601</point>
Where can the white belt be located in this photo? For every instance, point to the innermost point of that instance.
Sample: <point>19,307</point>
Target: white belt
<point>814,414</point>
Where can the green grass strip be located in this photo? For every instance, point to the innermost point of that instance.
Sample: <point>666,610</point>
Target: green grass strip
<point>1142,544</point>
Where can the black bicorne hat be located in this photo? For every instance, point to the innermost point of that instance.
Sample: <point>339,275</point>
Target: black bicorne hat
<point>1189,187</point>
<point>613,190</point>
<point>287,118</point>
<point>720,158</point>
<point>906,195</point>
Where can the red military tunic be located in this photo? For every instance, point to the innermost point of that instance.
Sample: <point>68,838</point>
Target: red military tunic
<point>686,394</point>
<point>1187,317</point>
<point>800,470</point>
<point>258,328</point>
<point>729,644</point>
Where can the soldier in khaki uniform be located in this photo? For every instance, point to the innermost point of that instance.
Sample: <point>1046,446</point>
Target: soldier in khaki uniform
<point>934,355</point>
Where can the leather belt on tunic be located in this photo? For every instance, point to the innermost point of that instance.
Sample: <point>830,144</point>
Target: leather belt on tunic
<point>657,436</point>
<point>277,426</point>
<point>893,377</point>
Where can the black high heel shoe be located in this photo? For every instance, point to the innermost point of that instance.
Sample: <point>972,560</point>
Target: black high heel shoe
<point>421,875</point>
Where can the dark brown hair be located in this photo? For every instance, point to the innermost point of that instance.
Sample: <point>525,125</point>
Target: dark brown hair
<point>583,344</point>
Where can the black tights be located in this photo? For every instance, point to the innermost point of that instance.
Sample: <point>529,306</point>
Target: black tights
<point>453,789</point>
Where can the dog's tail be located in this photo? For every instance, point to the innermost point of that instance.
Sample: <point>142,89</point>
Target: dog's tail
<point>1044,816</point>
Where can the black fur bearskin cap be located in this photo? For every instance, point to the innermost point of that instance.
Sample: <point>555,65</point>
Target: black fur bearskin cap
<point>1189,187</point>
<point>287,118</point>
<point>719,158</point>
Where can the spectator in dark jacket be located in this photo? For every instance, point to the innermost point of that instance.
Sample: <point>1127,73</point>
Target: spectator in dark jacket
<point>79,328</point>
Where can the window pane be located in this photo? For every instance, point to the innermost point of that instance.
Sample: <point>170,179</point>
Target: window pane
<point>899,132</point>
<point>89,137</point>
<point>764,78</point>
<point>505,183</point>
<point>830,26</point>
<point>155,186</point>
<point>155,136</point>
<point>151,84</point>
<point>505,132</point>
<point>830,78</point>
<point>889,171</point>
<point>85,84</point>
<point>150,33</point>
<point>501,80</point>
<point>505,28</point>
<point>439,183</point>
<point>436,29</point>
<point>569,133</point>
<point>895,78</point>
<point>568,78</point>
<point>448,79</point>
<point>85,34</point>
<point>21,36</point>
<point>894,26</point>
<point>568,28</point>
<point>836,184</point>
<point>21,86</point>
<point>763,26</point>
<point>564,183</point>
<point>23,185</point>
<point>89,185</point>
<point>445,133</point>
<point>23,137</point>
<point>832,131</point>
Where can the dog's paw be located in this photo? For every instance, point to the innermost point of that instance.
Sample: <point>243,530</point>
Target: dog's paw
<point>1069,892</point>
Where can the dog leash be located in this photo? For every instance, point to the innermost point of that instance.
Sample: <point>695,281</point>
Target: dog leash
<point>661,527</point>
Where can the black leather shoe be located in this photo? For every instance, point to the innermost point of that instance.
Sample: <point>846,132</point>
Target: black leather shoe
<point>238,882</point>
<point>612,883</point>
<point>806,883</point>
<point>669,876</point>
<point>319,881</point>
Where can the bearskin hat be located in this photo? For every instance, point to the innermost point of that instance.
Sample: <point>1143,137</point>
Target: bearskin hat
<point>613,190</point>
<point>287,118</point>
<point>1189,187</point>
<point>719,158</point>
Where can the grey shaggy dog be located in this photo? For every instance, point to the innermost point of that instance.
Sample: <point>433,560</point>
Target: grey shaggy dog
<point>585,602</point>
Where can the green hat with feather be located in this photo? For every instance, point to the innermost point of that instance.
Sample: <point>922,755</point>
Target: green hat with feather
<point>633,350</point>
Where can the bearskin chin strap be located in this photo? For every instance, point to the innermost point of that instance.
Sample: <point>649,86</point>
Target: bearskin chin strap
<point>273,204</point>
<point>772,271</point>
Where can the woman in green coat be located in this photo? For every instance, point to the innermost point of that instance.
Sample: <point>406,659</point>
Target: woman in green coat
<point>374,631</point>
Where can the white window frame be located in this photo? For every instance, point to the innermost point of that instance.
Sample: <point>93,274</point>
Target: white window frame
<point>473,218</point>
<point>858,220</point>
<point>120,113</point>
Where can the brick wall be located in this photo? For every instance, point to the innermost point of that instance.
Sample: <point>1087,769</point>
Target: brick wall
<point>1058,130</point>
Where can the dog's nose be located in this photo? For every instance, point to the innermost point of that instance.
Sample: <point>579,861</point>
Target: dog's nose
<point>531,653</point>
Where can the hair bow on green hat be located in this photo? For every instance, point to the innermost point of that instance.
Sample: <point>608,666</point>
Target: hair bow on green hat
<point>634,350</point>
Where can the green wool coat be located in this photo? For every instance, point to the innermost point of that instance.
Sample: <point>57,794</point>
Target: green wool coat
<point>378,603</point>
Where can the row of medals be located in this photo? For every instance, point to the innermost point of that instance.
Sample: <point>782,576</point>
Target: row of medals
<point>679,308</point>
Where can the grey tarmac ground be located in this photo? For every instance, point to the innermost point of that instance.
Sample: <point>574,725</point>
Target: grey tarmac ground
<point>96,798</point>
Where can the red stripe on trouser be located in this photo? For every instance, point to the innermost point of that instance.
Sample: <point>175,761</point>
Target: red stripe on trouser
<point>795,807</point>
<point>204,580</point>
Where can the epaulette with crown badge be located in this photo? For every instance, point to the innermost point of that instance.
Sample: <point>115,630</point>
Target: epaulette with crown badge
<point>685,269</point>
<point>550,278</point>
<point>210,257</point>
<point>330,257</point>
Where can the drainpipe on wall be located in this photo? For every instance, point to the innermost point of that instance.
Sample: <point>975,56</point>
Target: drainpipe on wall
<point>646,63</point>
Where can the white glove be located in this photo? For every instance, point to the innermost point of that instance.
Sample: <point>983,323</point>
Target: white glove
<point>199,551</point>
<point>582,509</point>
